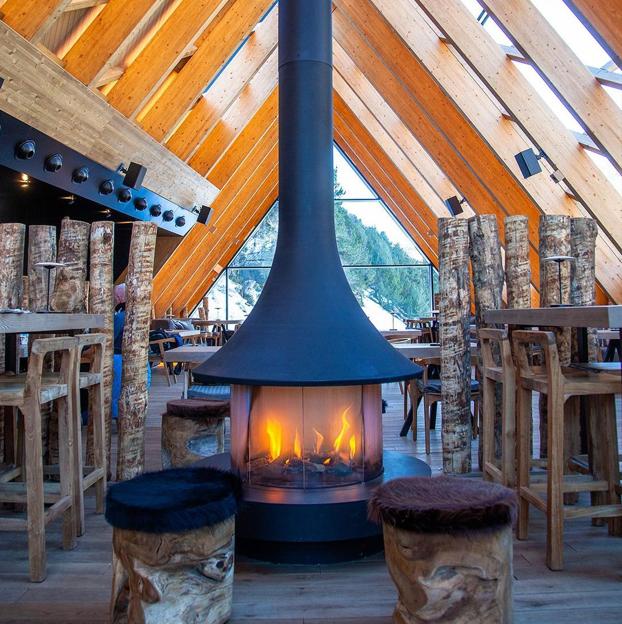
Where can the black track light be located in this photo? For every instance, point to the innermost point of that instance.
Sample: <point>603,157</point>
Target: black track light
<point>140,203</point>
<point>80,175</point>
<point>53,163</point>
<point>124,195</point>
<point>106,187</point>
<point>25,150</point>
<point>155,210</point>
<point>528,162</point>
<point>454,205</point>
<point>180,221</point>
<point>168,215</point>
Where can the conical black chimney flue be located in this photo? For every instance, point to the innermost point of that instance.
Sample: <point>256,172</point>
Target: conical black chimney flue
<point>307,329</point>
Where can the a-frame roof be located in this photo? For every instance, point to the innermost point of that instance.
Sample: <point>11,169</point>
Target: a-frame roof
<point>427,105</point>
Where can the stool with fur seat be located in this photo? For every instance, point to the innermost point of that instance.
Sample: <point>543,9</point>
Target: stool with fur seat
<point>173,543</point>
<point>448,547</point>
<point>192,429</point>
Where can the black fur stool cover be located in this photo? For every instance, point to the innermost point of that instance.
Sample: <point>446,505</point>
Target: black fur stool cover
<point>192,429</point>
<point>448,547</point>
<point>173,543</point>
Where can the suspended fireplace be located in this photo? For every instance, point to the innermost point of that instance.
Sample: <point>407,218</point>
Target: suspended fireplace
<point>306,367</point>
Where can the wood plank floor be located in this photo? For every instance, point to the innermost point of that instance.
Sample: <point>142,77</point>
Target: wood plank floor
<point>78,584</point>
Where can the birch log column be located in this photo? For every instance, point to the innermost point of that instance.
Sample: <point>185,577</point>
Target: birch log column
<point>554,234</point>
<point>583,234</point>
<point>487,265</point>
<point>517,267</point>
<point>133,400</point>
<point>455,309</point>
<point>101,301</point>
<point>12,239</point>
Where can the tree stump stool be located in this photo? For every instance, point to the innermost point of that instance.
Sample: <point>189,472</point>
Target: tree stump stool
<point>192,429</point>
<point>173,543</point>
<point>448,547</point>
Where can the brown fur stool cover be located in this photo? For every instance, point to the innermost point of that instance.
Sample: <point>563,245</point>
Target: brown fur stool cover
<point>448,547</point>
<point>191,430</point>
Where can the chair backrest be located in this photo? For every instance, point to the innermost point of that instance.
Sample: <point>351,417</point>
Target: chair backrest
<point>96,344</point>
<point>524,341</point>
<point>66,346</point>
<point>495,349</point>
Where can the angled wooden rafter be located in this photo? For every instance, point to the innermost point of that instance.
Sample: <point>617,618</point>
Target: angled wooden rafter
<point>32,18</point>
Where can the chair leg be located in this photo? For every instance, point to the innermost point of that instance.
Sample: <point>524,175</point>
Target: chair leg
<point>487,438</point>
<point>414,403</point>
<point>77,470</point>
<point>220,436</point>
<point>508,433</point>
<point>524,459</point>
<point>406,393</point>
<point>35,510</point>
<point>66,468</point>
<point>555,479</point>
<point>426,418</point>
<point>99,444</point>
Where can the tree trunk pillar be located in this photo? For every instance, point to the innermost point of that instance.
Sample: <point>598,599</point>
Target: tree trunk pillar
<point>133,400</point>
<point>455,309</point>
<point>517,267</point>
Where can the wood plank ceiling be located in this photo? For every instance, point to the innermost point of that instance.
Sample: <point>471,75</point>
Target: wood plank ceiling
<point>427,105</point>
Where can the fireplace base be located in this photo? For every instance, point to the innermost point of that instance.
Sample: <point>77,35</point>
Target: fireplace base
<point>327,525</point>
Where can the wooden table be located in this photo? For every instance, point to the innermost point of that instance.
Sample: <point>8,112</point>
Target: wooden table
<point>402,334</point>
<point>190,335</point>
<point>42,322</point>
<point>606,316</point>
<point>205,323</point>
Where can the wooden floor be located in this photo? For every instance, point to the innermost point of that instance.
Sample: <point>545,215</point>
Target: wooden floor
<point>78,583</point>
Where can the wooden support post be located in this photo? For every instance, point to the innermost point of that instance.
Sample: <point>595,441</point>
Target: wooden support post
<point>485,250</point>
<point>554,241</point>
<point>517,267</point>
<point>133,400</point>
<point>101,301</point>
<point>583,234</point>
<point>73,249</point>
<point>455,309</point>
<point>206,307</point>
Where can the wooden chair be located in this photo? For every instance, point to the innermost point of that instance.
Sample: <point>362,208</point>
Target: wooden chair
<point>559,385</point>
<point>498,368</point>
<point>158,356</point>
<point>431,391</point>
<point>27,393</point>
<point>91,380</point>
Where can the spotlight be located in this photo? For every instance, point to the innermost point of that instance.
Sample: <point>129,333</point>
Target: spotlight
<point>80,175</point>
<point>106,187</point>
<point>124,195</point>
<point>53,163</point>
<point>168,215</point>
<point>454,205</point>
<point>528,162</point>
<point>134,174</point>
<point>204,214</point>
<point>180,221</point>
<point>155,210</point>
<point>140,203</point>
<point>25,150</point>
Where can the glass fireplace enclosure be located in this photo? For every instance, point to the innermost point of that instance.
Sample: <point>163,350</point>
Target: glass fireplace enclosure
<point>306,437</point>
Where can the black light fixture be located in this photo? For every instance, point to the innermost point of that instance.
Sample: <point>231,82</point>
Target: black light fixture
<point>180,221</point>
<point>106,187</point>
<point>204,214</point>
<point>134,174</point>
<point>81,175</point>
<point>528,162</point>
<point>53,163</point>
<point>124,195</point>
<point>155,210</point>
<point>454,205</point>
<point>168,215</point>
<point>25,150</point>
<point>140,203</point>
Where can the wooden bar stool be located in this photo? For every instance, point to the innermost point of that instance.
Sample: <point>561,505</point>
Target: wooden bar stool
<point>559,385</point>
<point>27,393</point>
<point>498,368</point>
<point>91,380</point>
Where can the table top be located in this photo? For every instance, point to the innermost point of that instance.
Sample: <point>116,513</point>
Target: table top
<point>203,322</point>
<point>568,316</point>
<point>401,333</point>
<point>608,334</point>
<point>41,322</point>
<point>184,333</point>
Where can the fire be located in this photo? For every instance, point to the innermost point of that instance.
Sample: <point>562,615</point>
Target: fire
<point>352,447</point>
<point>297,447</point>
<point>275,434</point>
<point>319,440</point>
<point>345,425</point>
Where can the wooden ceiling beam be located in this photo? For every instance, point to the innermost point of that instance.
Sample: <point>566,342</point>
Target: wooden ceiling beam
<point>603,18</point>
<point>41,93</point>
<point>161,54</point>
<point>213,52</point>
<point>563,71</point>
<point>484,57</point>
<point>213,104</point>
<point>111,29</point>
<point>32,18</point>
<point>80,5</point>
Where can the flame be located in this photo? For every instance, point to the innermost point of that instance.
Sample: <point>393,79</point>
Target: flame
<point>275,433</point>
<point>297,447</point>
<point>352,447</point>
<point>319,440</point>
<point>345,425</point>
<point>327,461</point>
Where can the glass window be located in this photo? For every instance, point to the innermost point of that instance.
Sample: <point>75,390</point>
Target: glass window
<point>259,248</point>
<point>348,182</point>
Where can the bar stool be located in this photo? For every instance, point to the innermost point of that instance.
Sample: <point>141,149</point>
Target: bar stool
<point>27,393</point>
<point>559,385</point>
<point>498,368</point>
<point>91,380</point>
